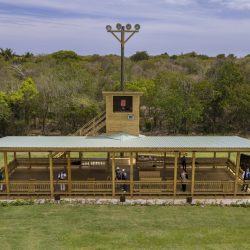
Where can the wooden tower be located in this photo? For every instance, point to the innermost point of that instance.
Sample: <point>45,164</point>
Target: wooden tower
<point>122,112</point>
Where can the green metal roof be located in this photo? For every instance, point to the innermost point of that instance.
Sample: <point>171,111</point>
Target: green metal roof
<point>124,142</point>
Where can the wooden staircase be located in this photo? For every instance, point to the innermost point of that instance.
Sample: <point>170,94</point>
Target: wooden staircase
<point>91,128</point>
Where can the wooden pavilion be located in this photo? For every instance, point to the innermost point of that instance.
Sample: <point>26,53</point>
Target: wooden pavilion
<point>153,163</point>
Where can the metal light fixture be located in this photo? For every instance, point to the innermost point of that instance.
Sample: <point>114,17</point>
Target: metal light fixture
<point>122,40</point>
<point>128,26</point>
<point>108,28</point>
<point>137,27</point>
<point>119,26</point>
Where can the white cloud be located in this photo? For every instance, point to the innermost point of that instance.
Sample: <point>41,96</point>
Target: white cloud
<point>234,4</point>
<point>167,26</point>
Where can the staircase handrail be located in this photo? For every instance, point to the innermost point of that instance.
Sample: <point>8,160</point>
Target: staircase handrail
<point>79,131</point>
<point>94,124</point>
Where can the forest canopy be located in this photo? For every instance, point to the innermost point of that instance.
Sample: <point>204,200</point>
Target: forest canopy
<point>183,94</point>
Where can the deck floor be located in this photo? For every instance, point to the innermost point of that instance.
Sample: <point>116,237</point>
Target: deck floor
<point>102,174</point>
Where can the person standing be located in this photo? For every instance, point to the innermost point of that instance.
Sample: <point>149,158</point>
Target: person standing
<point>245,177</point>
<point>184,178</point>
<point>118,173</point>
<point>1,178</point>
<point>124,178</point>
<point>184,162</point>
<point>61,177</point>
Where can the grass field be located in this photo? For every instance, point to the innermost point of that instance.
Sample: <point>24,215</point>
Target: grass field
<point>51,226</point>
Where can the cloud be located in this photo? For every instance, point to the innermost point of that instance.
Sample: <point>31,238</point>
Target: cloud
<point>167,26</point>
<point>234,4</point>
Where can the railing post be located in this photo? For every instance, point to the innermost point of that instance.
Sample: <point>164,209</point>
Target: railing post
<point>51,174</point>
<point>229,155</point>
<point>6,172</point>
<point>131,174</point>
<point>113,174</point>
<point>193,173</point>
<point>214,159</point>
<point>237,173</point>
<point>175,171</point>
<point>69,173</point>
<point>164,164</point>
<point>15,156</point>
<point>29,153</point>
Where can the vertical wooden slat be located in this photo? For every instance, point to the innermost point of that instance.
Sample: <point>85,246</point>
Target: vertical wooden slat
<point>15,156</point>
<point>69,173</point>
<point>164,166</point>
<point>6,172</point>
<point>175,172</point>
<point>193,173</point>
<point>113,174</point>
<point>80,156</point>
<point>237,173</point>
<point>131,174</point>
<point>214,159</point>
<point>229,155</point>
<point>29,159</point>
<point>51,174</point>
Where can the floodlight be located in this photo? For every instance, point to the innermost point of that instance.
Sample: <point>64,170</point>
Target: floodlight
<point>108,28</point>
<point>128,26</point>
<point>119,26</point>
<point>137,27</point>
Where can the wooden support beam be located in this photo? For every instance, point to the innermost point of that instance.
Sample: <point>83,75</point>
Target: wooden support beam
<point>80,156</point>
<point>164,166</point>
<point>237,173</point>
<point>108,157</point>
<point>175,171</point>
<point>131,175</point>
<point>214,159</point>
<point>6,172</point>
<point>15,156</point>
<point>229,155</point>
<point>69,173</point>
<point>29,153</point>
<point>193,173</point>
<point>113,174</point>
<point>51,174</point>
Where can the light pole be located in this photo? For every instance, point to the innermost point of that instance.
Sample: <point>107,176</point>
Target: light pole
<point>122,40</point>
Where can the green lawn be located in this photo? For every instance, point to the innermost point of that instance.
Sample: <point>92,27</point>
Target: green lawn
<point>124,227</point>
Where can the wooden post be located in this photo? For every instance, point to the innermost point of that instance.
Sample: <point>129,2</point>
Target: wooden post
<point>15,156</point>
<point>164,166</point>
<point>193,173</point>
<point>214,159</point>
<point>237,173</point>
<point>108,157</point>
<point>69,173</point>
<point>131,175</point>
<point>229,155</point>
<point>113,174</point>
<point>175,171</point>
<point>6,172</point>
<point>51,174</point>
<point>80,156</point>
<point>29,159</point>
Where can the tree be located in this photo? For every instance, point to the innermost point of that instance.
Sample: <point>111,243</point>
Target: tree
<point>139,56</point>
<point>5,113</point>
<point>7,54</point>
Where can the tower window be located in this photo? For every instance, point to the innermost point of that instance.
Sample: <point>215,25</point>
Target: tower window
<point>122,104</point>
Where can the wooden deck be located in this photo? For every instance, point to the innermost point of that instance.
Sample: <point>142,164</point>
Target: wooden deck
<point>150,178</point>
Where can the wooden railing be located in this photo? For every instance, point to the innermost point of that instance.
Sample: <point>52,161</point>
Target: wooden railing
<point>29,187</point>
<point>159,188</point>
<point>90,128</point>
<point>92,187</point>
<point>93,126</point>
<point>214,187</point>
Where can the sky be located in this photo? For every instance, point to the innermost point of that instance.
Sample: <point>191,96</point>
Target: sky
<point>208,27</point>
